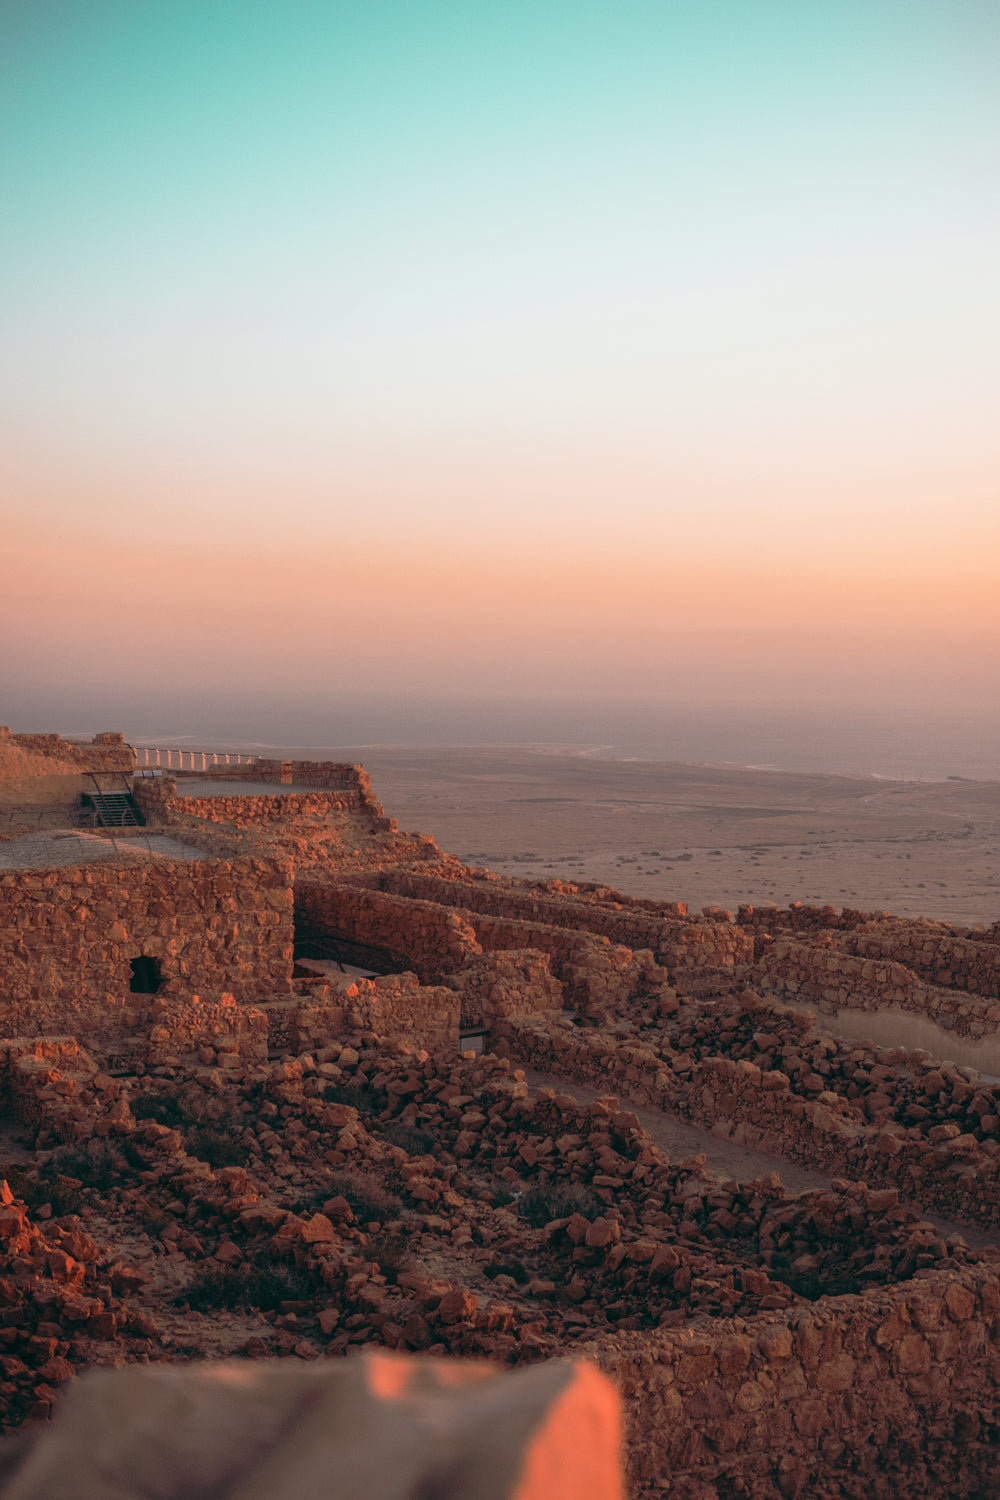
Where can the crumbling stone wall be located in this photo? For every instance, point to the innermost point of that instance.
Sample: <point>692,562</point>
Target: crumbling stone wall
<point>394,1006</point>
<point>221,1033</point>
<point>833,980</point>
<point>949,1162</point>
<point>512,982</point>
<point>935,952</point>
<point>675,940</point>
<point>68,936</point>
<point>800,917</point>
<point>278,807</point>
<point>597,977</point>
<point>274,812</point>
<point>319,773</point>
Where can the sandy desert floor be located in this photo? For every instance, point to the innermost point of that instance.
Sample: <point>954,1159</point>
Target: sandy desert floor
<point>708,835</point>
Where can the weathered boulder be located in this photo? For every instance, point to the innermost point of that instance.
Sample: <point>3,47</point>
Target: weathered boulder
<point>381,1426</point>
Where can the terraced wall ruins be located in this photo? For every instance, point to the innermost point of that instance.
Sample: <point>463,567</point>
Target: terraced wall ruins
<point>932,953</point>
<point>749,1362</point>
<point>897,1121</point>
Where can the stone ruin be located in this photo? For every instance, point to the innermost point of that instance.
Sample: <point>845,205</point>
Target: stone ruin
<point>366,1096</point>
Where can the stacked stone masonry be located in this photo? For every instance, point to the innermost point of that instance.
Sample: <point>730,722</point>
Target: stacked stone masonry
<point>929,955</point>
<point>68,937</point>
<point>829,1344</point>
<point>748,1073</point>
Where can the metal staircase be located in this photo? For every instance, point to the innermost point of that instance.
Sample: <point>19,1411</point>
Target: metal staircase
<point>112,809</point>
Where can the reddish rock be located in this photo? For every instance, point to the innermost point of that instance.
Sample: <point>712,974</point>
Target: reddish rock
<point>457,1306</point>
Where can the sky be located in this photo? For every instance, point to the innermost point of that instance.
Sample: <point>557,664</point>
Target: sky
<point>551,348</point>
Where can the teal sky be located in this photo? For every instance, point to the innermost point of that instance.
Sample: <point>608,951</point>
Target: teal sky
<point>654,289</point>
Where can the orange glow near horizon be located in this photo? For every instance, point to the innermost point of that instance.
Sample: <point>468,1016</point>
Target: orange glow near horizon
<point>471,617</point>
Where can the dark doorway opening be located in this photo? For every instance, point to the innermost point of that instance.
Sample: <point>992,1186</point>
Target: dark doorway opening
<point>145,976</point>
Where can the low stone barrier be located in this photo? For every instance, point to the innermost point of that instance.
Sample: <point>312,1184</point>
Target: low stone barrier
<point>948,1170</point>
<point>935,952</point>
<point>622,924</point>
<point>896,1392</point>
<point>834,980</point>
<point>395,1006</point>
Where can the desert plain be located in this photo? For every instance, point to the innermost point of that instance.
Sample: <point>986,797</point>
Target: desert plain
<point>710,835</point>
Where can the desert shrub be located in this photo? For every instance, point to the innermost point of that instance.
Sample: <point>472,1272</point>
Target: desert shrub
<point>389,1248</point>
<point>153,1220</point>
<point>558,1200</point>
<point>217,1147</point>
<point>63,1197</point>
<point>502,1195</point>
<point>413,1140</point>
<point>97,1164</point>
<point>262,1287</point>
<point>368,1199</point>
<point>162,1108</point>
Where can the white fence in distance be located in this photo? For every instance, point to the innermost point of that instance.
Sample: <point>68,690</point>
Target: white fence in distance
<point>188,760</point>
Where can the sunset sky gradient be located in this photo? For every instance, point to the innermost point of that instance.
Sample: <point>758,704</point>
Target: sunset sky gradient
<point>591,347</point>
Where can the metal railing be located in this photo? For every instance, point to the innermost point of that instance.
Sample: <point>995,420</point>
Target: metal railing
<point>187,760</point>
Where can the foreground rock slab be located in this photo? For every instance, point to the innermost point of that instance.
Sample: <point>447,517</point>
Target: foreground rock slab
<point>382,1427</point>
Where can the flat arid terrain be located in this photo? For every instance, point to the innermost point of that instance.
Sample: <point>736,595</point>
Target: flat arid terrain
<point>708,835</point>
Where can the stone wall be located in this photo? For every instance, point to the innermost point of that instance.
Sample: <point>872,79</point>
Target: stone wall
<point>414,935</point>
<point>288,807</point>
<point>676,941</point>
<point>949,1162</point>
<point>800,917</point>
<point>514,982</point>
<point>68,936</point>
<point>935,952</point>
<point>598,977</point>
<point>394,1006</point>
<point>158,799</point>
<point>221,1033</point>
<point>833,980</point>
<point>320,773</point>
<point>896,1392</point>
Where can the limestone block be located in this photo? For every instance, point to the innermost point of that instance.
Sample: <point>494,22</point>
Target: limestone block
<point>383,1427</point>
